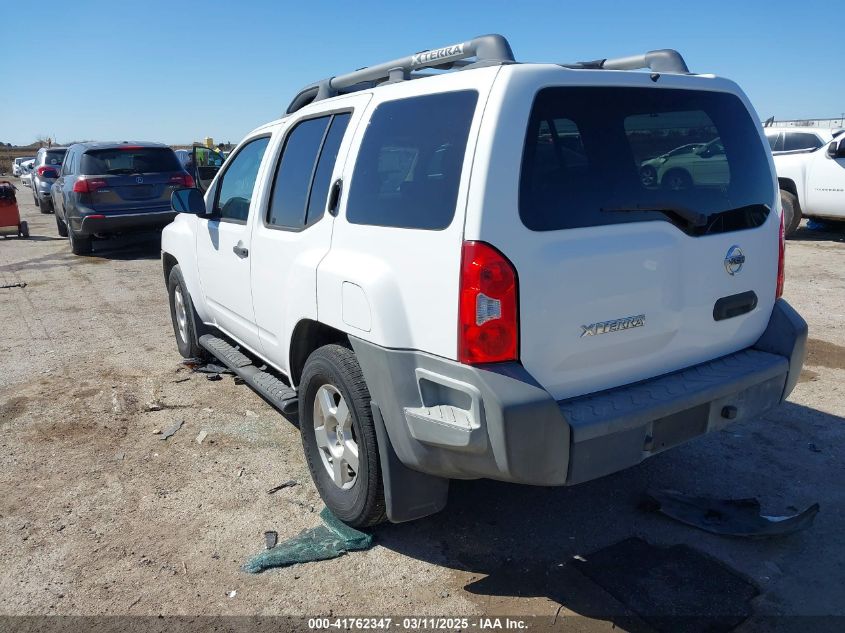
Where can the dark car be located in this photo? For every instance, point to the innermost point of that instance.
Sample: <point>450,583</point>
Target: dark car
<point>109,188</point>
<point>45,171</point>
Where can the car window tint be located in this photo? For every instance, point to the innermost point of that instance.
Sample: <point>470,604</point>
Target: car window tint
<point>410,161</point>
<point>325,166</point>
<point>294,171</point>
<point>129,160</point>
<point>800,140</point>
<point>775,142</point>
<point>234,193</point>
<point>596,156</point>
<point>53,158</point>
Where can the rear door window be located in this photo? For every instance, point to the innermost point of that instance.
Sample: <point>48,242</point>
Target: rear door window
<point>301,183</point>
<point>129,160</point>
<point>800,141</point>
<point>325,166</point>
<point>599,156</point>
<point>775,142</point>
<point>409,165</point>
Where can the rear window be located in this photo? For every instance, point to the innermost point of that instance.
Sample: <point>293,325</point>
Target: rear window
<point>409,165</point>
<point>120,160</point>
<point>599,156</point>
<point>55,157</point>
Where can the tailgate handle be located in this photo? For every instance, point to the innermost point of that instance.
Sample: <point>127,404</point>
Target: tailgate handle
<point>734,305</point>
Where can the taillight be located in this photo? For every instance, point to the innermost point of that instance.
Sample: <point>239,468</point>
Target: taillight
<point>45,171</point>
<point>185,180</point>
<point>89,185</point>
<point>488,330</point>
<point>781,258</point>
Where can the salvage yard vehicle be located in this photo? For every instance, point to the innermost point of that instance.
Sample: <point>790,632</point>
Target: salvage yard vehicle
<point>810,165</point>
<point>462,275</point>
<point>109,188</point>
<point>48,162</point>
<point>788,140</point>
<point>26,168</point>
<point>16,165</point>
<point>10,216</point>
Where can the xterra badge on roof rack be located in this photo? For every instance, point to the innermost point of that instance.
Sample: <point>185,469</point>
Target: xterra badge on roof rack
<point>426,57</point>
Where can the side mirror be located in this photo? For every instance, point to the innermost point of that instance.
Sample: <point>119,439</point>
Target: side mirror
<point>836,149</point>
<point>50,173</point>
<point>188,201</point>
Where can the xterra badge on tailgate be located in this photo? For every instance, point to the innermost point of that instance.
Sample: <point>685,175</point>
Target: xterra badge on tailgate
<point>603,327</point>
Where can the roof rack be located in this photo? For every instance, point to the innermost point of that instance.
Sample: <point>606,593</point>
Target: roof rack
<point>487,50</point>
<point>664,60</point>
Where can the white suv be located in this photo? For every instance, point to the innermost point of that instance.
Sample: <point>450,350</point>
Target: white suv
<point>463,275</point>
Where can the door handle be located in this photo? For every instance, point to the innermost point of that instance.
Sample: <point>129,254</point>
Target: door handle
<point>240,251</point>
<point>334,197</point>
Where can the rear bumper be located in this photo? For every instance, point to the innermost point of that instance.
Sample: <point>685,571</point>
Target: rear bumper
<point>105,223</point>
<point>456,421</point>
<point>43,187</point>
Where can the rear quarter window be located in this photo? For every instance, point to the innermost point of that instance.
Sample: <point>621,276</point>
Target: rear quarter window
<point>601,156</point>
<point>409,165</point>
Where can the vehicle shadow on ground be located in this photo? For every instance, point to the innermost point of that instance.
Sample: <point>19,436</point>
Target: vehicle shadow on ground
<point>128,247</point>
<point>520,541</point>
<point>829,232</point>
<point>44,238</point>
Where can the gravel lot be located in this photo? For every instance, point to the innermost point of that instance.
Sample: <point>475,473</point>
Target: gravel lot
<point>98,515</point>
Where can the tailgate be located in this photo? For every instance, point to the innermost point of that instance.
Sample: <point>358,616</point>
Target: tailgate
<point>649,234</point>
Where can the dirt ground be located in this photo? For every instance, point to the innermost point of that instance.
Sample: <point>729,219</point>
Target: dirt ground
<point>99,515</point>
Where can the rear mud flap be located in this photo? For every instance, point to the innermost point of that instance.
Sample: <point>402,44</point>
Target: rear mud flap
<point>408,494</point>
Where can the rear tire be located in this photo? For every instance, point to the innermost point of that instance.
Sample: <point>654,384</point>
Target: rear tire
<point>339,437</point>
<point>61,227</point>
<point>46,206</point>
<point>183,316</point>
<point>791,212</point>
<point>35,199</point>
<point>23,229</point>
<point>79,245</point>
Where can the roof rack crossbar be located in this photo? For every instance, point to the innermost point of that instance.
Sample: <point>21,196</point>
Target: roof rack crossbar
<point>489,49</point>
<point>664,60</point>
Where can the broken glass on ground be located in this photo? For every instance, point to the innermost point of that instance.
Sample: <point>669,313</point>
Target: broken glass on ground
<point>330,540</point>
<point>729,517</point>
<point>203,367</point>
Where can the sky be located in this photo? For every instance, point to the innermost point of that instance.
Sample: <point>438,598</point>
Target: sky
<point>178,71</point>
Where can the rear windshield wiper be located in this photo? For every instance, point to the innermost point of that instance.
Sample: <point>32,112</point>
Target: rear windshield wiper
<point>120,170</point>
<point>695,218</point>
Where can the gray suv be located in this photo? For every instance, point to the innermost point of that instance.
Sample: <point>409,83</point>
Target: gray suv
<point>109,188</point>
<point>45,171</point>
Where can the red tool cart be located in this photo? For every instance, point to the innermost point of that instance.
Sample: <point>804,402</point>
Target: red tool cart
<point>10,215</point>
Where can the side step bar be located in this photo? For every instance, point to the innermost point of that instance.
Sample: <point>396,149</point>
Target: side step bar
<point>266,384</point>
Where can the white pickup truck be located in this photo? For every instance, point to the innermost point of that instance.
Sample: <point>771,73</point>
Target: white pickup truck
<point>810,165</point>
<point>467,275</point>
